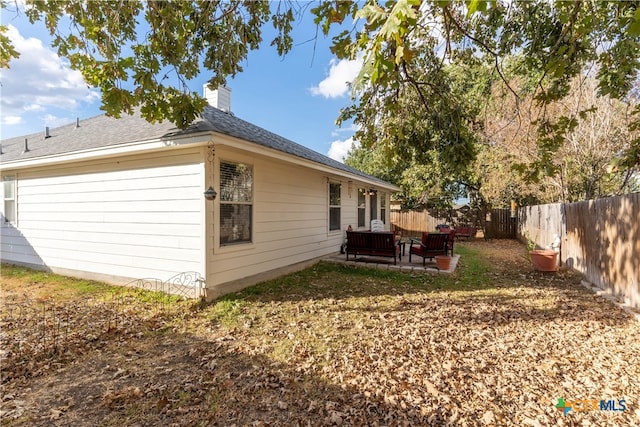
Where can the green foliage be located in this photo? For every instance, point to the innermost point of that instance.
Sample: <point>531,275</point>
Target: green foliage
<point>406,47</point>
<point>226,310</point>
<point>132,63</point>
<point>51,285</point>
<point>426,150</point>
<point>475,271</point>
<point>7,50</point>
<point>399,121</point>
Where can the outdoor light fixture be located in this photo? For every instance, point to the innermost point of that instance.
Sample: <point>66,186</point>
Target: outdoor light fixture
<point>210,194</point>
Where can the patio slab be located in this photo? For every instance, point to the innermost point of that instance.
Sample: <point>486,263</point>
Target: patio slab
<point>403,265</point>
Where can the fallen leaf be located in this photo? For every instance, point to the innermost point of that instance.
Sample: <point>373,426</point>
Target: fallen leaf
<point>162,402</point>
<point>54,414</point>
<point>488,417</point>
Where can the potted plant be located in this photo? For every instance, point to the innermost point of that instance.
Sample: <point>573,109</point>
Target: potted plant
<point>443,262</point>
<point>542,259</point>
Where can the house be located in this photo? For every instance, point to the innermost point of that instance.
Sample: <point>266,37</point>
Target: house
<point>122,199</point>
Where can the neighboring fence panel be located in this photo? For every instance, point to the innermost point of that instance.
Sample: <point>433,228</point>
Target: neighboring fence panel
<point>501,225</point>
<point>413,223</point>
<point>600,238</point>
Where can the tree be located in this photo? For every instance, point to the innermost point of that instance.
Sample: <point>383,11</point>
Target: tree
<point>399,41</point>
<point>584,164</point>
<point>556,40</point>
<point>424,184</point>
<point>137,65</point>
<point>427,82</point>
<point>423,147</point>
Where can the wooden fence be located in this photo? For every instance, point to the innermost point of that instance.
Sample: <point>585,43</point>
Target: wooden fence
<point>496,224</point>
<point>599,238</point>
<point>413,223</point>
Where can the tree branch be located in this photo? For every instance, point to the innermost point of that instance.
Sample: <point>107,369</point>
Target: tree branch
<point>483,45</point>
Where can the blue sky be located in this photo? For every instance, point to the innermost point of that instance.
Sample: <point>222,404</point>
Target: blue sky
<point>298,96</point>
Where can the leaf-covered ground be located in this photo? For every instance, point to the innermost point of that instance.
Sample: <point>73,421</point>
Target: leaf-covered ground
<point>493,344</point>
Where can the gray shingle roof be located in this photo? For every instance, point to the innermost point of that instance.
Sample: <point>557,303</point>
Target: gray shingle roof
<point>102,131</point>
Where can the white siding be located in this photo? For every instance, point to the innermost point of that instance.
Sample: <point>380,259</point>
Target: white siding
<point>290,223</point>
<point>128,217</point>
<point>145,216</point>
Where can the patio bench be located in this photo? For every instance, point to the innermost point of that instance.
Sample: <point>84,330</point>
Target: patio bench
<point>465,231</point>
<point>373,243</point>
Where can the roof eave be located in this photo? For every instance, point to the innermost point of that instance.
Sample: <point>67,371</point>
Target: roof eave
<point>110,151</point>
<point>240,144</point>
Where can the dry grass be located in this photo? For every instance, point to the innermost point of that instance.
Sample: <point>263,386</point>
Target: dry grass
<point>493,344</point>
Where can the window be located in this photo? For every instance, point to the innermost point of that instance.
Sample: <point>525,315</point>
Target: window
<point>362,203</point>
<point>9,191</point>
<point>383,207</point>
<point>236,203</point>
<point>334,206</point>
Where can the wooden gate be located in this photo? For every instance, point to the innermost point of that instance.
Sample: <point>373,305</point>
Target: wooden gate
<point>500,225</point>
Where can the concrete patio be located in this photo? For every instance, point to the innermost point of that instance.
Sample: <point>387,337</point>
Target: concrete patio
<point>385,263</point>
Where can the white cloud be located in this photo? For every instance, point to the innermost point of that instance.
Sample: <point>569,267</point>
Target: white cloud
<point>340,148</point>
<point>11,120</point>
<point>341,130</point>
<point>34,107</point>
<point>340,74</point>
<point>55,121</point>
<point>40,80</point>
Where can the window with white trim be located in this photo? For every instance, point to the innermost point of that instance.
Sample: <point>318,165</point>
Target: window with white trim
<point>334,206</point>
<point>383,207</point>
<point>9,194</point>
<point>236,203</point>
<point>362,205</point>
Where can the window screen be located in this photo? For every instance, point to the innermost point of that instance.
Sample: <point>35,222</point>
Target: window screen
<point>236,203</point>
<point>334,206</point>
<point>9,191</point>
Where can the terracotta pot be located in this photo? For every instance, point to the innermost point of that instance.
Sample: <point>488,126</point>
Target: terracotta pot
<point>443,262</point>
<point>544,260</point>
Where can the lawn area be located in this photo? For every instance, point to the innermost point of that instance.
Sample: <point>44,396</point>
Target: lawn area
<point>495,343</point>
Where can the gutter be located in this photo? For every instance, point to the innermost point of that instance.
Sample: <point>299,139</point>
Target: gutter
<point>201,138</point>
